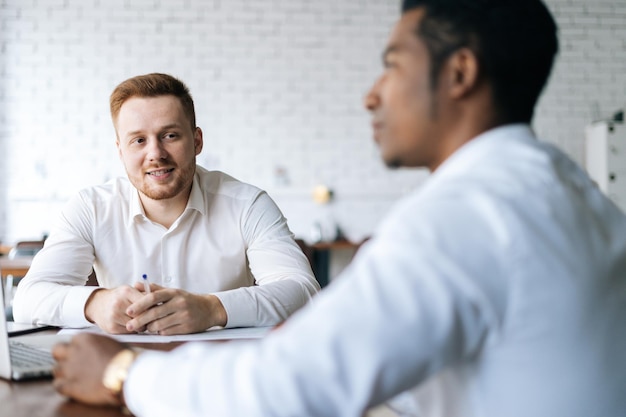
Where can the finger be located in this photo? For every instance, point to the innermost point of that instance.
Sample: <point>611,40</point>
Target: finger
<point>123,295</point>
<point>59,385</point>
<point>110,311</point>
<point>135,293</point>
<point>63,386</point>
<point>57,370</point>
<point>179,328</point>
<point>141,329</point>
<point>59,351</point>
<point>167,325</point>
<point>116,324</point>
<point>148,301</point>
<point>119,329</point>
<point>144,319</point>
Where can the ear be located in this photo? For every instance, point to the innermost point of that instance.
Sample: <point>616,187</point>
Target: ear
<point>117,145</point>
<point>198,141</point>
<point>462,73</point>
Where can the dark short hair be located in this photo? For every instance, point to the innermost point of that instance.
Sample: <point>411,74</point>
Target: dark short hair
<point>515,42</point>
<point>152,85</point>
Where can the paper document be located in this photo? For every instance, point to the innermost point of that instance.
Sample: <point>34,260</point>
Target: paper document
<point>211,334</point>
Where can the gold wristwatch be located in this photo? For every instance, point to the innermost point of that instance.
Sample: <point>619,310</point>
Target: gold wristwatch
<point>117,370</point>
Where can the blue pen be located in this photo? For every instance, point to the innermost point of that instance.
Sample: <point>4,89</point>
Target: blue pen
<point>146,284</point>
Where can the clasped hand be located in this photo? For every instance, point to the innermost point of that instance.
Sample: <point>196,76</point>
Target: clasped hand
<point>168,311</point>
<point>164,311</point>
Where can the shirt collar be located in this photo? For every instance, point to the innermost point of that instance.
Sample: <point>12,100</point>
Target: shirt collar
<point>196,198</point>
<point>195,202</point>
<point>490,141</point>
<point>135,209</point>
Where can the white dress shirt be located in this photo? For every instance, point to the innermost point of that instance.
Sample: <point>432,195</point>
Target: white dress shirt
<point>231,241</point>
<point>498,288</point>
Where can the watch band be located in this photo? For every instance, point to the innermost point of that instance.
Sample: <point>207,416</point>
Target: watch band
<point>117,370</point>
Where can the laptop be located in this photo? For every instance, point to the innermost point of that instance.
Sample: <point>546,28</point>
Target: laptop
<point>19,361</point>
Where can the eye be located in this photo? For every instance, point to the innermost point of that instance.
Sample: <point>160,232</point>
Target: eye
<point>388,64</point>
<point>170,136</point>
<point>137,141</point>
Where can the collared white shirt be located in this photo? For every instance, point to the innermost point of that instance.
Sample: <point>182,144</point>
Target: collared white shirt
<point>498,289</point>
<point>231,241</point>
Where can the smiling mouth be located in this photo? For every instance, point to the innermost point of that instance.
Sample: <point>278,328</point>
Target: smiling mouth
<point>160,172</point>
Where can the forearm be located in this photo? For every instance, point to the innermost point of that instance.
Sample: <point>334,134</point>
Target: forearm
<point>146,392</point>
<point>323,362</point>
<point>51,303</point>
<point>285,281</point>
<point>264,305</point>
<point>53,291</point>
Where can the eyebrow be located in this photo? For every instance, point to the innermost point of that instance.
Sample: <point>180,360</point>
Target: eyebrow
<point>171,126</point>
<point>166,127</point>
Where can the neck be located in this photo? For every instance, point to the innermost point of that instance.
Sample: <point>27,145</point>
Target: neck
<point>166,211</point>
<point>467,120</point>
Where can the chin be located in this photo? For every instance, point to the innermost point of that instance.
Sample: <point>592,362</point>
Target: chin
<point>392,161</point>
<point>161,192</point>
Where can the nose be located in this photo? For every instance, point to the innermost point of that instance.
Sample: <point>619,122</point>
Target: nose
<point>156,150</point>
<point>372,99</point>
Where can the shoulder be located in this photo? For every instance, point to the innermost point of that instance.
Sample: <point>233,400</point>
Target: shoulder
<point>473,194</point>
<point>90,205</point>
<point>217,184</point>
<point>500,187</point>
<point>115,190</point>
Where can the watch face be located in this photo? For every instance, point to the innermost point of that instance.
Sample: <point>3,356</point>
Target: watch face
<point>117,380</point>
<point>113,379</point>
<point>117,370</point>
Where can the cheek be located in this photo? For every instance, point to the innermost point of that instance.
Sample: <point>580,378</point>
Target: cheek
<point>131,159</point>
<point>405,112</point>
<point>188,153</point>
<point>414,107</point>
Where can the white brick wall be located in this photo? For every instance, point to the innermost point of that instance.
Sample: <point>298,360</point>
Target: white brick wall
<point>278,84</point>
<point>589,79</point>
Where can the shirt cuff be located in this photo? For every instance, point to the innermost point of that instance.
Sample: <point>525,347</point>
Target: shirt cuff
<point>144,369</point>
<point>240,312</point>
<point>73,314</point>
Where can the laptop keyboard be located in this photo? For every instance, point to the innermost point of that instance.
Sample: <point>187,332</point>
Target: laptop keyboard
<point>23,355</point>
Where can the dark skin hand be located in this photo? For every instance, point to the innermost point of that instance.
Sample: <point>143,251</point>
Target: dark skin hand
<point>80,367</point>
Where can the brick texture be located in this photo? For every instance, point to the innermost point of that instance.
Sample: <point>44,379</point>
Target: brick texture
<point>278,87</point>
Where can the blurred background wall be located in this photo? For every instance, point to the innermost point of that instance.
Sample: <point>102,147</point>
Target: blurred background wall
<point>278,87</point>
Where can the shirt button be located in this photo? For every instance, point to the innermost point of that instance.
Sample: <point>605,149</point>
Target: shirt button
<point>168,279</point>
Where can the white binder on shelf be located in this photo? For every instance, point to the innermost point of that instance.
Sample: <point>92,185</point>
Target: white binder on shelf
<point>605,158</point>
